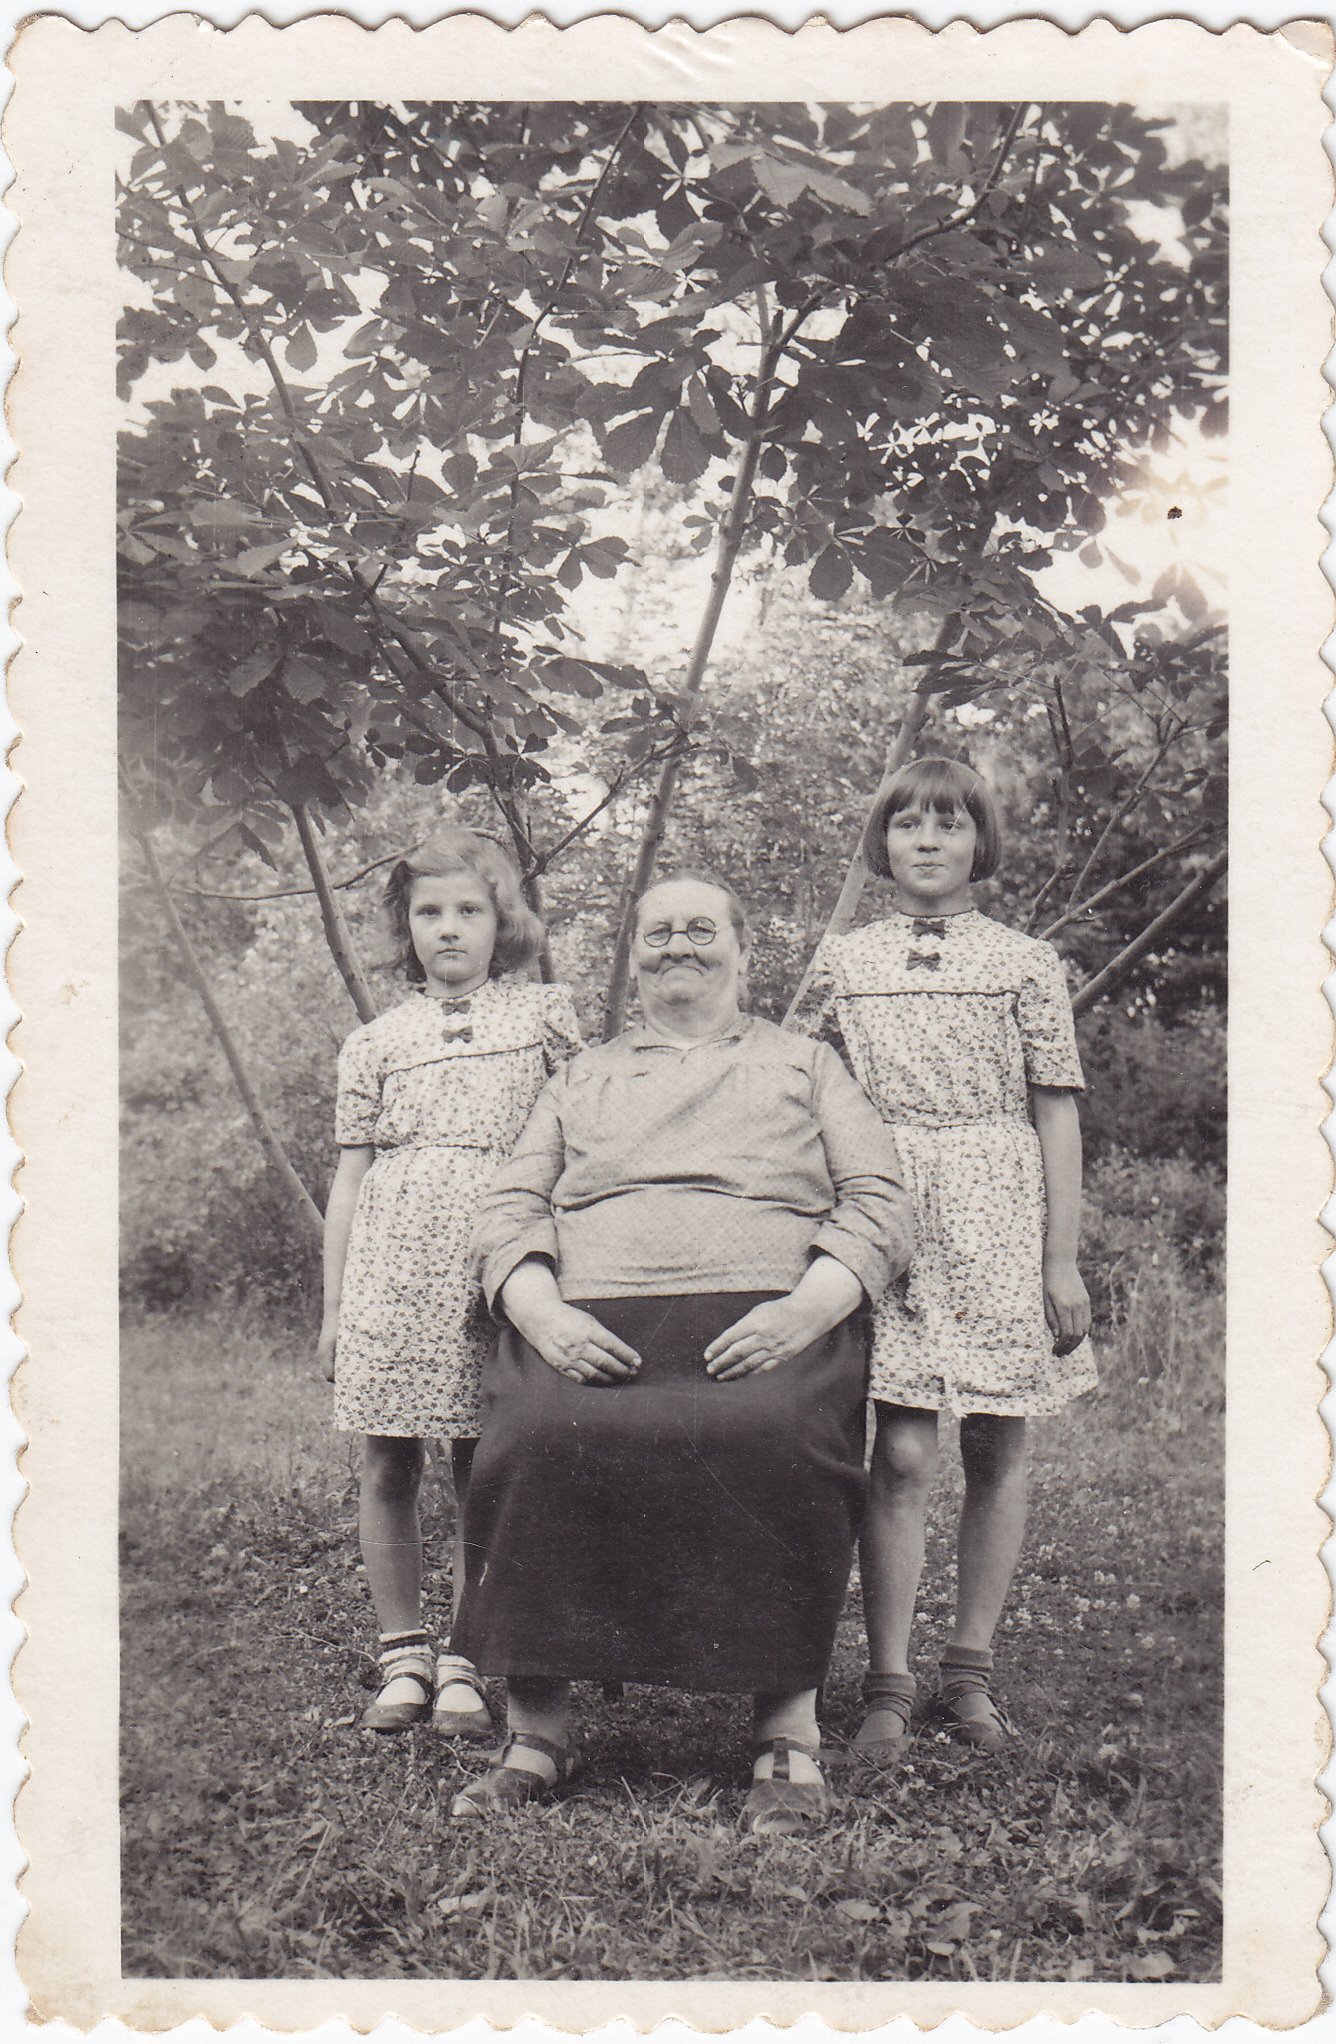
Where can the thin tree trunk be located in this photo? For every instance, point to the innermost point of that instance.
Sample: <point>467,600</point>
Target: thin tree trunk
<point>337,934</point>
<point>1117,970</point>
<point>661,802</point>
<point>303,1205</point>
<point>531,886</point>
<point>856,873</point>
<point>916,711</point>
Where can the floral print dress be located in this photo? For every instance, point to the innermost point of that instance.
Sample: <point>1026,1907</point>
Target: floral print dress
<point>946,1022</point>
<point>441,1089</point>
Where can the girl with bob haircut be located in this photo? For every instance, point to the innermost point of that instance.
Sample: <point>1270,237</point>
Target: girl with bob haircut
<point>946,786</point>
<point>431,1097</point>
<point>960,1032</point>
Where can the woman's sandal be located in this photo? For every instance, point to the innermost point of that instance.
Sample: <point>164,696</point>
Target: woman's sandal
<point>401,1664</point>
<point>453,1671</point>
<point>888,1701</point>
<point>776,1805</point>
<point>969,1709</point>
<point>506,1787</point>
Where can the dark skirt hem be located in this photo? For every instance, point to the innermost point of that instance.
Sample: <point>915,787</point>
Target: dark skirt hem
<point>714,1682</point>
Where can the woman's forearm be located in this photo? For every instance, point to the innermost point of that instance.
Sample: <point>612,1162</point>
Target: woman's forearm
<point>1058,1127</point>
<point>827,1292</point>
<point>529,1289</point>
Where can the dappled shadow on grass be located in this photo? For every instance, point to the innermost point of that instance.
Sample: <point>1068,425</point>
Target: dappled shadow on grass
<point>265,1835</point>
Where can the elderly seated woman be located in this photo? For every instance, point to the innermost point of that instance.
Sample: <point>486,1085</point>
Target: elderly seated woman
<point>669,1480</point>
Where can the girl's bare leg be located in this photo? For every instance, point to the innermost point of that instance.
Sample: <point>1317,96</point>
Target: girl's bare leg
<point>992,1523</point>
<point>904,1464</point>
<point>459,1699</point>
<point>388,1528</point>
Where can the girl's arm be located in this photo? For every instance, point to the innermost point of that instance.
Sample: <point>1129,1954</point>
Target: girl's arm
<point>354,1163</point>
<point>1058,1127</point>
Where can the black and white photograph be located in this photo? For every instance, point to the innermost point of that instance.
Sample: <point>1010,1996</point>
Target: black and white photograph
<point>732,588</point>
<point>672,753</point>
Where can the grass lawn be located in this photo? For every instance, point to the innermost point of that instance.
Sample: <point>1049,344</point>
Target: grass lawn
<point>264,1835</point>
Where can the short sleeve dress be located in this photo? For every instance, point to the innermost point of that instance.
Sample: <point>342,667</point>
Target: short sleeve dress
<point>946,1021</point>
<point>441,1089</point>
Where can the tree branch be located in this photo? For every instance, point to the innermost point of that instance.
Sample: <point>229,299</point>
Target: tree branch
<point>1120,815</point>
<point>300,1198</point>
<point>620,783</point>
<point>729,544</point>
<point>337,934</point>
<point>1117,970</point>
<point>963,219</point>
<point>1122,880</point>
<point>289,893</point>
<point>364,590</point>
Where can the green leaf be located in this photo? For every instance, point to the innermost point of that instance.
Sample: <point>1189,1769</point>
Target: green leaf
<point>1191,601</point>
<point>603,557</point>
<point>685,455</point>
<point>946,133</point>
<point>630,445</point>
<point>256,559</point>
<point>571,677</point>
<point>335,625</point>
<point>832,572</point>
<point>226,511</point>
<point>301,681</point>
<point>256,844</point>
<point>1215,797</point>
<point>300,350</point>
<point>702,408</point>
<point>251,672</point>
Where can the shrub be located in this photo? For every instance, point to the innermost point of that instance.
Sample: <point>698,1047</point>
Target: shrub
<point>1153,1088</point>
<point>1153,1257</point>
<point>1141,1212</point>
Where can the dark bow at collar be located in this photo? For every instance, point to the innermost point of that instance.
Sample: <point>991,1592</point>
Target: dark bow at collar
<point>926,926</point>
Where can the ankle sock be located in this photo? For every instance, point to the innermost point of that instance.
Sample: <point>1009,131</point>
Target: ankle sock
<point>876,1686</point>
<point>978,1660</point>
<point>404,1653</point>
<point>454,1688</point>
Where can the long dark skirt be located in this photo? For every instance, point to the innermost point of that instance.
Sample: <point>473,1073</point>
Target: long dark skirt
<point>669,1530</point>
